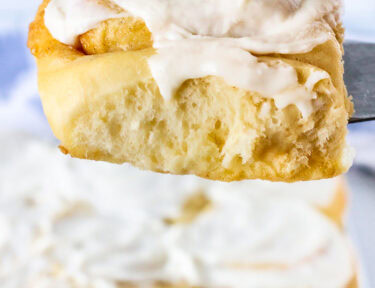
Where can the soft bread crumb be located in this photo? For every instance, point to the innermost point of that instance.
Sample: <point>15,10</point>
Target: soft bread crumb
<point>106,106</point>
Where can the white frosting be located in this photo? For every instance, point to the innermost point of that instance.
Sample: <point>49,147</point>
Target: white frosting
<point>200,38</point>
<point>69,18</point>
<point>70,223</point>
<point>265,244</point>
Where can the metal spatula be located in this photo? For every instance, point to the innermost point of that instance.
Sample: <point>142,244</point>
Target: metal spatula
<point>360,79</point>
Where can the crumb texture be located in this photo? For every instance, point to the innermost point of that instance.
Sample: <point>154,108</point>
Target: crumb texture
<point>103,104</point>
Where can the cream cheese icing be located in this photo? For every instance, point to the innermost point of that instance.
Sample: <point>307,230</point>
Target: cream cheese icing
<point>70,223</point>
<point>264,244</point>
<point>69,18</point>
<point>200,38</point>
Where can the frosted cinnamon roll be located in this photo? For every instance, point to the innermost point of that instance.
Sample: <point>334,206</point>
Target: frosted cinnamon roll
<point>226,90</point>
<point>81,224</point>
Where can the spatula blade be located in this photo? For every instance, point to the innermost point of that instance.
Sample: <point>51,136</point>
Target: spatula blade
<point>360,79</point>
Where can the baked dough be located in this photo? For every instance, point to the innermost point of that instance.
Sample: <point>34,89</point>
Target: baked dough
<point>337,207</point>
<point>107,106</point>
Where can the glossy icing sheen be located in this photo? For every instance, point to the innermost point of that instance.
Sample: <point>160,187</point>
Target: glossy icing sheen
<point>70,223</point>
<point>198,38</point>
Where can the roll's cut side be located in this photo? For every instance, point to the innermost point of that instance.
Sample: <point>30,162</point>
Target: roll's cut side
<point>107,106</point>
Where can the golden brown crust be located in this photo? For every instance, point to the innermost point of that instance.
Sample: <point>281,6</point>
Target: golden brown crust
<point>354,283</point>
<point>121,34</point>
<point>108,107</point>
<point>336,209</point>
<point>116,112</point>
<point>41,42</point>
